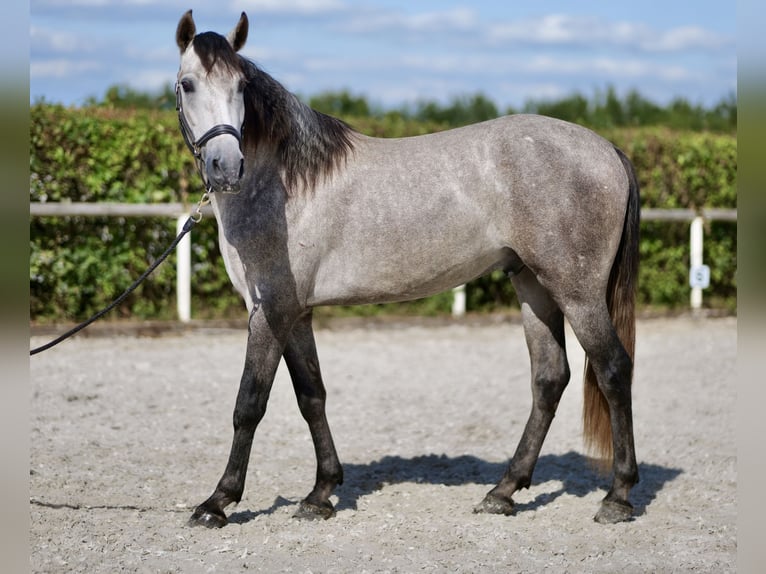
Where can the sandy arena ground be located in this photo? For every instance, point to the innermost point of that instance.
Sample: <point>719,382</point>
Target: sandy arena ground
<point>129,433</point>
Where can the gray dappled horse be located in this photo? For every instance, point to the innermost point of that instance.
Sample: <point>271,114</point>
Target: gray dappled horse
<point>310,212</point>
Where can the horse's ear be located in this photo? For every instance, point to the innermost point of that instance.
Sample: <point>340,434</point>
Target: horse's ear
<point>238,36</point>
<point>185,31</point>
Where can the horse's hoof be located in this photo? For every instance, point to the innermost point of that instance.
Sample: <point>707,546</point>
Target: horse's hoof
<point>310,511</point>
<point>612,511</point>
<point>202,517</point>
<point>494,505</point>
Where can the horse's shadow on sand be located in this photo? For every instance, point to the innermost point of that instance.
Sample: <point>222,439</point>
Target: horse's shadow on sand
<point>575,473</point>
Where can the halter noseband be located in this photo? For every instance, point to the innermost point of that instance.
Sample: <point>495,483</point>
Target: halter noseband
<point>195,146</point>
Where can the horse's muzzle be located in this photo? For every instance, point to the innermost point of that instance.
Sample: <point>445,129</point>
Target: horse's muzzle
<point>224,171</point>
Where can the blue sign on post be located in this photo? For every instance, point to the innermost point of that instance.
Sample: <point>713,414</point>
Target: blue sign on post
<point>699,277</point>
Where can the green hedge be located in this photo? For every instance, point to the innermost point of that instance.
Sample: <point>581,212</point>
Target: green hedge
<point>684,170</point>
<point>78,265</point>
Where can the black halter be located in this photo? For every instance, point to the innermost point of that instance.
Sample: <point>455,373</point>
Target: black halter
<point>195,146</point>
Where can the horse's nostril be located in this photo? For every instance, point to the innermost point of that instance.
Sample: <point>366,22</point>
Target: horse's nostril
<point>241,168</point>
<point>216,165</point>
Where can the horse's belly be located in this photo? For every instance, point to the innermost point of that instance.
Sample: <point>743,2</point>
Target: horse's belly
<point>398,276</point>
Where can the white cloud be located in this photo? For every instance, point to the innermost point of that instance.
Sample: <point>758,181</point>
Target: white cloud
<point>567,30</point>
<point>553,30</point>
<point>550,29</point>
<point>503,66</point>
<point>686,38</point>
<point>310,7</point>
<point>42,4</point>
<point>62,68</point>
<point>56,41</point>
<point>456,19</point>
<point>617,68</point>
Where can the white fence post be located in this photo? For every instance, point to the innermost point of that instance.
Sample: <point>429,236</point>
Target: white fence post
<point>458,301</point>
<point>699,274</point>
<point>183,272</point>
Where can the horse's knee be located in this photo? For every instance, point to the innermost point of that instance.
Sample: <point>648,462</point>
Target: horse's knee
<point>311,407</point>
<point>547,388</point>
<point>247,415</point>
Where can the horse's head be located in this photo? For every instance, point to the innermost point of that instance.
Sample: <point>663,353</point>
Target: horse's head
<point>210,102</point>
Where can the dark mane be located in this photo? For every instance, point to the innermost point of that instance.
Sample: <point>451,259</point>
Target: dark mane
<point>309,145</point>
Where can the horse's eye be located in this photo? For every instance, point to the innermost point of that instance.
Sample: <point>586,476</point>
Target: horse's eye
<point>187,86</point>
<point>241,86</point>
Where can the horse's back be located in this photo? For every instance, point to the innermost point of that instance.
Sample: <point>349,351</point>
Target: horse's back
<point>525,159</point>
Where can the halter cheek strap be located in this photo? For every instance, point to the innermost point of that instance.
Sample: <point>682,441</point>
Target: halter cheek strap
<point>195,146</point>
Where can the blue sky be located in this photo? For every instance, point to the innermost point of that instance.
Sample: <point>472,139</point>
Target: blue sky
<point>396,51</point>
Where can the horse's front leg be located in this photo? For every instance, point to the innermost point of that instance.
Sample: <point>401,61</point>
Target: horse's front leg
<point>264,350</point>
<point>303,364</point>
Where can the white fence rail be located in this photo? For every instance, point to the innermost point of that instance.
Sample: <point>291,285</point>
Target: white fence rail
<point>180,212</point>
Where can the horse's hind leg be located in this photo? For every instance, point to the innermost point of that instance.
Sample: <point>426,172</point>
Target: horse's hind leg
<point>544,331</point>
<point>613,369</point>
<point>303,364</point>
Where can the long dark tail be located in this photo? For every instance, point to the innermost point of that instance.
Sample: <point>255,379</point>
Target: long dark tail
<point>621,302</point>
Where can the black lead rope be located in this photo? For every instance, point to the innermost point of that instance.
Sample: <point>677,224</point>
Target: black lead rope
<point>196,148</point>
<point>186,229</point>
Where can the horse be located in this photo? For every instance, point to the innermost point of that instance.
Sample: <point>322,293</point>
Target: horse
<point>311,212</point>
